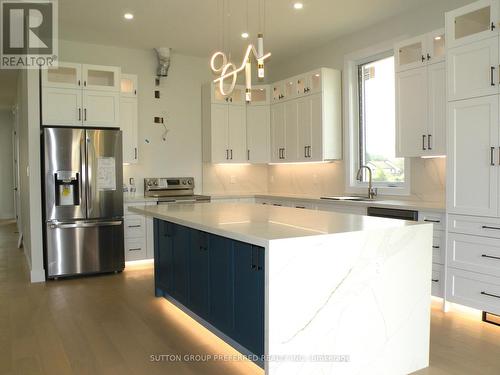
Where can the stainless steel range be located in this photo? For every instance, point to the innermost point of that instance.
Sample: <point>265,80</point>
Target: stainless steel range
<point>173,190</point>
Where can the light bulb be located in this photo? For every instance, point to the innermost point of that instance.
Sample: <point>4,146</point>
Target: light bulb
<point>128,16</point>
<point>298,5</point>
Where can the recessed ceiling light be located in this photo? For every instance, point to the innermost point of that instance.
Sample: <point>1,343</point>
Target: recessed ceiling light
<point>128,16</point>
<point>437,38</point>
<point>244,35</point>
<point>298,5</point>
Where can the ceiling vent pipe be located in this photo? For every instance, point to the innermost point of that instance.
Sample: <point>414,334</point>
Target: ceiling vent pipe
<point>163,54</point>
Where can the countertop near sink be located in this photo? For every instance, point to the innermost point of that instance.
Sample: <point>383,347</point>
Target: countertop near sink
<point>417,205</point>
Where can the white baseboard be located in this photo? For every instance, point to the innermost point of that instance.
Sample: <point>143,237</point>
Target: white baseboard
<point>38,276</point>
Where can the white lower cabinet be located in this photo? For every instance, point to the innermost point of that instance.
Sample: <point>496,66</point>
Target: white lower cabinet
<point>438,282</point>
<point>473,289</point>
<point>138,233</point>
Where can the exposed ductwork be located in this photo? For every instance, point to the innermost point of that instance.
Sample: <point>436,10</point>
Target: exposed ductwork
<point>163,54</point>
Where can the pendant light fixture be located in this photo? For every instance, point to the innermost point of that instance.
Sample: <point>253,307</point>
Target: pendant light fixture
<point>221,65</point>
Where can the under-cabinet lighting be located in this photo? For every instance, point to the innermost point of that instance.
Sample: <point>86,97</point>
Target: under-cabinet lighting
<point>298,5</point>
<point>302,162</point>
<point>317,74</point>
<point>235,164</point>
<point>433,157</point>
<point>128,16</point>
<point>438,38</point>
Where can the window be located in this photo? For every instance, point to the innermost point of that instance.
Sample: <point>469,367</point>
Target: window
<point>377,122</point>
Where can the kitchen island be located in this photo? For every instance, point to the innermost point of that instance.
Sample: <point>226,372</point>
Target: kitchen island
<point>300,291</point>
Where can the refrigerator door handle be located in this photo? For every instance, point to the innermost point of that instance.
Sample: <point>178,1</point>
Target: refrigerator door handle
<point>89,157</point>
<point>85,224</point>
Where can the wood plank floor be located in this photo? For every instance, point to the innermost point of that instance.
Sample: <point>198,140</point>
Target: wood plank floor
<point>113,325</point>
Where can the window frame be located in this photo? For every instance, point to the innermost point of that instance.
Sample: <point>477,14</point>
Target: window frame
<point>352,126</point>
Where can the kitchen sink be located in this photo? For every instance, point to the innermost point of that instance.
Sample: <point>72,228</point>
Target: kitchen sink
<point>360,199</point>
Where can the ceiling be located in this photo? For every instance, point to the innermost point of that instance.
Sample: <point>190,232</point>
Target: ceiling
<point>192,26</point>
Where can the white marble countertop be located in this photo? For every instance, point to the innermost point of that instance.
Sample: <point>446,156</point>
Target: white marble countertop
<point>405,204</point>
<point>259,224</point>
<point>138,199</point>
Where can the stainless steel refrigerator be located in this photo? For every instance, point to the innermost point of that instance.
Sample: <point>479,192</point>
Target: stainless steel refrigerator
<point>83,205</point>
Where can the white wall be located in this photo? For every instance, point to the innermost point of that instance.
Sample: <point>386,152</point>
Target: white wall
<point>30,171</point>
<point>180,104</point>
<point>6,165</point>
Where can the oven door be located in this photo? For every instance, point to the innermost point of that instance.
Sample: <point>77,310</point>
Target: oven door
<point>184,200</point>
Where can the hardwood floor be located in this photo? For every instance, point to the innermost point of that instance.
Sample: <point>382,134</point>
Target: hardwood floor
<point>113,325</point>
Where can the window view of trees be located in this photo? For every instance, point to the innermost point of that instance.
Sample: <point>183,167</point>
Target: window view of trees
<point>377,122</point>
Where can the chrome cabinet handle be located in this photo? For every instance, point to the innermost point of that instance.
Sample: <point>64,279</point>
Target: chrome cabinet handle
<point>423,142</point>
<point>489,295</point>
<point>492,72</point>
<point>492,157</point>
<point>429,146</point>
<point>490,257</point>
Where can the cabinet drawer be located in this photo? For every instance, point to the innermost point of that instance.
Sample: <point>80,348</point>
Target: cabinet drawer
<point>438,248</point>
<point>134,226</point>
<point>472,253</point>
<point>472,289</point>
<point>135,249</point>
<point>437,280</point>
<point>435,218</point>
<point>479,226</point>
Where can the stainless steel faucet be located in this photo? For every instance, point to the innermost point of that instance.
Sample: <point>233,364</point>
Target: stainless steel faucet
<point>372,192</point>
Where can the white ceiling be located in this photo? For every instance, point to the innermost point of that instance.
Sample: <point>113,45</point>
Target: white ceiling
<point>191,26</point>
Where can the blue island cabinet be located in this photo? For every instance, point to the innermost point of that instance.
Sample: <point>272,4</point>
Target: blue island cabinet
<point>218,279</point>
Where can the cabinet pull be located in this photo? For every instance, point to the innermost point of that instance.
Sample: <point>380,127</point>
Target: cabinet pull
<point>435,280</point>
<point>301,207</point>
<point>135,92</point>
<point>428,57</point>
<point>284,153</point>
<point>85,83</point>
<point>492,72</point>
<point>259,266</point>
<point>493,26</point>
<point>227,154</point>
<point>135,153</point>
<point>231,154</point>
<point>309,151</point>
<point>488,227</point>
<point>248,155</point>
<point>492,157</point>
<point>429,145</point>
<point>489,295</point>
<point>435,247</point>
<point>134,226</point>
<point>490,257</point>
<point>252,261</point>
<point>423,142</point>
<point>432,221</point>
<point>423,58</point>
<point>135,249</point>
<point>85,114</point>
<point>79,114</point>
<point>78,82</point>
<point>305,151</point>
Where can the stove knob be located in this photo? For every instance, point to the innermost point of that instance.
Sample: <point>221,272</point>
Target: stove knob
<point>156,183</point>
<point>150,183</point>
<point>184,182</point>
<point>190,182</point>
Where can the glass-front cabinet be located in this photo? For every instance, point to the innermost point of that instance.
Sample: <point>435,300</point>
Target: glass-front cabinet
<point>66,76</point>
<point>411,53</point>
<point>235,97</point>
<point>472,22</point>
<point>99,77</point>
<point>436,46</point>
<point>128,85</point>
<point>260,95</point>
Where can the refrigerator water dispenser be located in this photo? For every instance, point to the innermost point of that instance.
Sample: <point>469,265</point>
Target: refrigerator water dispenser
<point>67,188</point>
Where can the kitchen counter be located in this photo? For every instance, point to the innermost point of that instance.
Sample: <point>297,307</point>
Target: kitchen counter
<point>138,199</point>
<point>352,289</point>
<point>404,204</point>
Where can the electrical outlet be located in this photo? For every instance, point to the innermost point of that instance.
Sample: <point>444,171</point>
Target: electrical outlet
<point>157,94</point>
<point>158,120</point>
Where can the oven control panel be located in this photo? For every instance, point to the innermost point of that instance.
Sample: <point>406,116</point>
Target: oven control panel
<point>154,186</point>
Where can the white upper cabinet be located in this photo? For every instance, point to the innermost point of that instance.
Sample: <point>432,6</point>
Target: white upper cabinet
<point>237,96</point>
<point>237,134</point>
<point>261,95</point>
<point>290,152</point>
<point>280,91</point>
<point>62,107</point>
<point>258,133</point>
<point>473,70</point>
<point>472,23</point>
<point>129,85</point>
<point>411,112</point>
<point>411,53</point>
<point>81,95</point>
<point>101,108</point>
<point>420,51</point>
<point>421,96</point>
<point>66,75</point>
<point>278,143</point>
<point>473,157</point>
<point>129,125</point>
<point>100,77</point>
